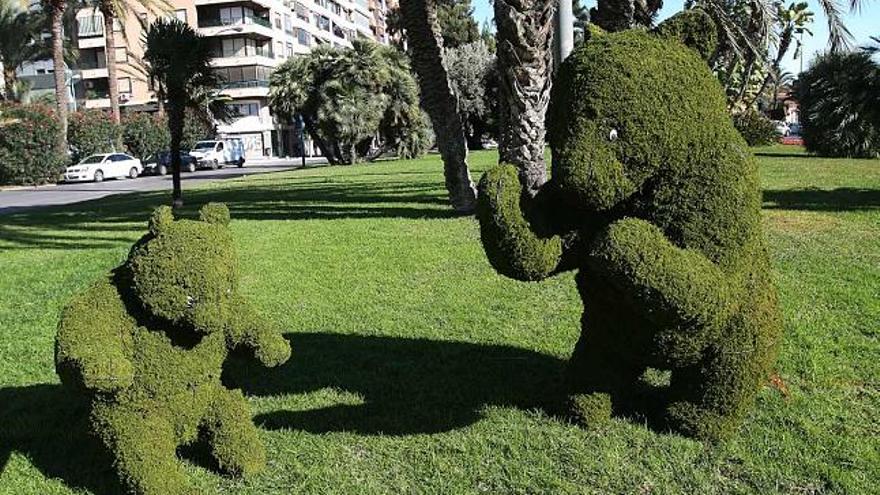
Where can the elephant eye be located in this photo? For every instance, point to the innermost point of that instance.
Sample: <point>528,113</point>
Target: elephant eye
<point>612,135</point>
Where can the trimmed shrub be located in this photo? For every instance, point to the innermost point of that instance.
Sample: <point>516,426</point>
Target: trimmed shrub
<point>27,145</point>
<point>144,134</point>
<point>92,131</point>
<point>147,342</point>
<point>755,128</point>
<point>839,98</point>
<point>654,198</point>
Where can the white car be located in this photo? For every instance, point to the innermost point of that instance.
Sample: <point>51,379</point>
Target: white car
<point>104,166</point>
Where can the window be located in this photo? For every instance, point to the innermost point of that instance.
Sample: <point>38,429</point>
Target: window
<point>323,22</point>
<point>180,14</point>
<point>121,55</point>
<point>231,15</point>
<point>92,25</point>
<point>117,26</point>
<point>304,37</point>
<point>246,109</point>
<point>289,50</point>
<point>301,11</point>
<point>279,49</point>
<point>277,21</point>
<point>234,47</point>
<point>288,24</point>
<point>219,146</point>
<point>124,85</point>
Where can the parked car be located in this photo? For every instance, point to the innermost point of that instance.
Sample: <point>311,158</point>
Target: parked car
<point>782,128</point>
<point>216,153</point>
<point>104,166</point>
<point>160,163</point>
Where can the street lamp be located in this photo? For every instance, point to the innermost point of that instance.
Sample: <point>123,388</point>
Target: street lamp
<point>564,29</point>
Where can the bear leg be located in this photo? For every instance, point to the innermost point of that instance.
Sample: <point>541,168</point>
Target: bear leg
<point>144,448</point>
<point>234,440</point>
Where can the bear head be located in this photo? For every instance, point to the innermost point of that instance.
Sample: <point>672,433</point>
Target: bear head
<point>184,271</point>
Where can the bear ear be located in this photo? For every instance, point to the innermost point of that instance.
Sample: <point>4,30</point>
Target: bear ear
<point>693,27</point>
<point>215,213</point>
<point>161,218</point>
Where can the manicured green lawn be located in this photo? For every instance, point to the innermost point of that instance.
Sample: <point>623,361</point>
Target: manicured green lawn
<point>418,369</point>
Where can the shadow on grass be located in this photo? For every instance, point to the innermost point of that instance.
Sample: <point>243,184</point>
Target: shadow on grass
<point>407,386</point>
<point>48,425</point>
<point>96,223</point>
<point>841,199</point>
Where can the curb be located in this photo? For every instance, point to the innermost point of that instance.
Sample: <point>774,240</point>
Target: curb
<point>23,188</point>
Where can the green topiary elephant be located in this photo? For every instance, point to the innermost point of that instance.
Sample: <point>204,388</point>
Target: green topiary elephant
<point>654,198</point>
<point>147,344</point>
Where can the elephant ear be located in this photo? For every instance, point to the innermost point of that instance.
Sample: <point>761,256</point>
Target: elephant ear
<point>215,213</point>
<point>693,27</point>
<point>161,219</point>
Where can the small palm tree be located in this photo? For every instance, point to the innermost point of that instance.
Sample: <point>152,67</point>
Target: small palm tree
<point>178,61</point>
<point>19,41</point>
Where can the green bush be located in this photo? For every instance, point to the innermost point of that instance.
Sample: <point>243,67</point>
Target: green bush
<point>755,128</point>
<point>654,198</point>
<point>144,134</point>
<point>27,145</point>
<point>839,98</point>
<point>147,342</point>
<point>92,131</point>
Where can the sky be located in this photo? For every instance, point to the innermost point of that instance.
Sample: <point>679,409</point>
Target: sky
<point>862,25</point>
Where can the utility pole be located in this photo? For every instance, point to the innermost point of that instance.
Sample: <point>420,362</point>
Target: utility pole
<point>564,30</point>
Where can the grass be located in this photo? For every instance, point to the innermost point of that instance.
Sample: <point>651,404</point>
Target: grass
<point>417,369</point>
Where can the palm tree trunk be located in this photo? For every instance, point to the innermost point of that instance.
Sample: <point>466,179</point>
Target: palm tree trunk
<point>426,48</point>
<point>57,13</point>
<point>110,55</point>
<point>175,128</point>
<point>525,58</point>
<point>784,44</point>
<point>9,80</point>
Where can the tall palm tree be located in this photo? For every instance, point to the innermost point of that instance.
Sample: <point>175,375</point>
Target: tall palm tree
<point>525,58</point>
<point>114,11</point>
<point>56,10</point>
<point>19,41</point>
<point>426,51</point>
<point>179,75</point>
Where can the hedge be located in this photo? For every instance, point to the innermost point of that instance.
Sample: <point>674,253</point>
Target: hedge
<point>28,153</point>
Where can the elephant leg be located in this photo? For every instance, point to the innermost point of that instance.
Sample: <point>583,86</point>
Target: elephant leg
<point>234,440</point>
<point>709,399</point>
<point>144,448</point>
<point>604,370</point>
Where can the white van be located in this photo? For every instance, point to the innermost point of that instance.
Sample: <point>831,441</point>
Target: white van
<point>216,154</point>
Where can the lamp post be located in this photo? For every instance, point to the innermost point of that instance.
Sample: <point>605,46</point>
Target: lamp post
<point>564,30</point>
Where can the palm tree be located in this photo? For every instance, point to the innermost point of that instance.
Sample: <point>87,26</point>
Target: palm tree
<point>56,10</point>
<point>179,75</point>
<point>616,15</point>
<point>525,36</point>
<point>19,42</point>
<point>117,11</point>
<point>426,51</point>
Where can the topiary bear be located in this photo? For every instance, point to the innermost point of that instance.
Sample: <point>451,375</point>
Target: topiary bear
<point>147,344</point>
<point>654,198</point>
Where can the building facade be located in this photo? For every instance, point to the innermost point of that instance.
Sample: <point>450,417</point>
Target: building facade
<point>249,39</point>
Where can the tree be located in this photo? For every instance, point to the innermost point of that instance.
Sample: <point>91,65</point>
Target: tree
<point>357,103</point>
<point>19,42</point>
<point>457,24</point>
<point>56,10</point>
<point>525,35</point>
<point>840,106</point>
<point>426,51</point>
<point>178,74</point>
<point>617,15</point>
<point>473,77</point>
<point>114,11</point>
<point>791,22</point>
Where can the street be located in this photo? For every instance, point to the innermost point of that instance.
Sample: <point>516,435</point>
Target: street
<point>65,194</point>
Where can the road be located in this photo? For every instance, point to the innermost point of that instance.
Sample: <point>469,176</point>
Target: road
<point>65,194</point>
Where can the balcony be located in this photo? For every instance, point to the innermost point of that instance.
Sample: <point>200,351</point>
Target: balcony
<point>256,88</point>
<point>268,4</point>
<point>255,26</point>
<point>263,60</point>
<point>95,73</point>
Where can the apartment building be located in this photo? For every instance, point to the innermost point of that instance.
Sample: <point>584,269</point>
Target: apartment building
<point>249,39</point>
